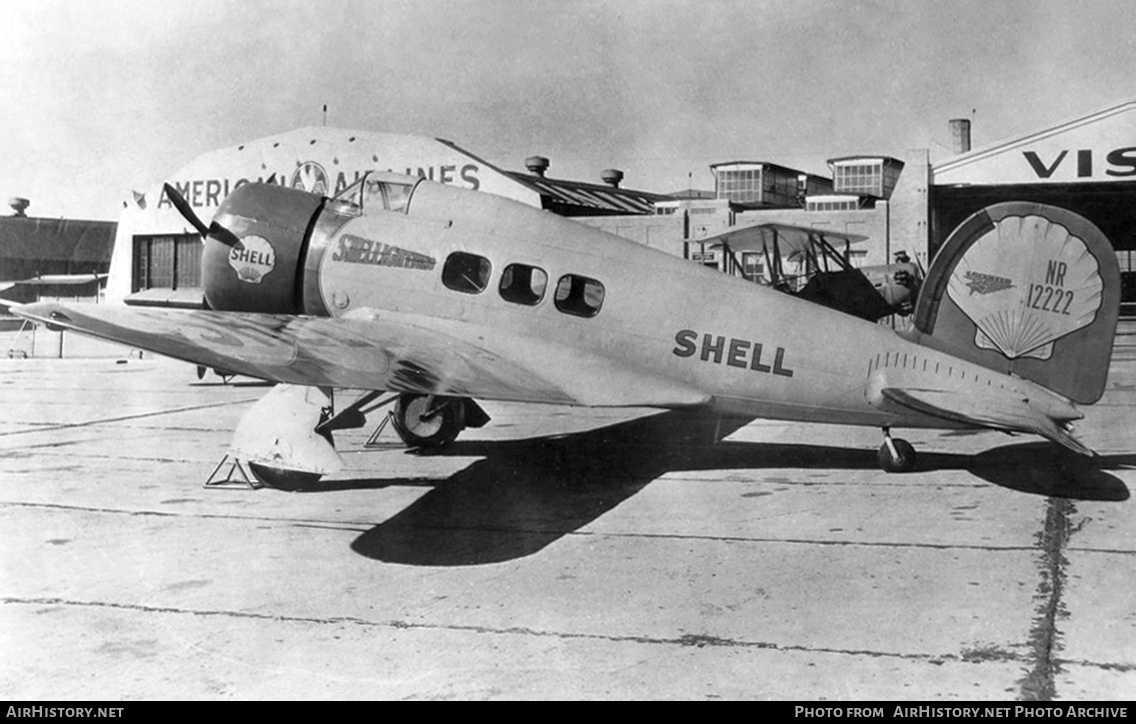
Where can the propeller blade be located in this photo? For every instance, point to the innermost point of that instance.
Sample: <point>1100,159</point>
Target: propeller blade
<point>215,230</point>
<point>226,237</point>
<point>185,209</point>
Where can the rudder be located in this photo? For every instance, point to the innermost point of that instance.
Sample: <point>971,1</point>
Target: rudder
<point>1028,289</point>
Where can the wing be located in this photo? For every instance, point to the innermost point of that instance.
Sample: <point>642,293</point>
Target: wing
<point>790,239</point>
<point>368,351</point>
<point>991,411</point>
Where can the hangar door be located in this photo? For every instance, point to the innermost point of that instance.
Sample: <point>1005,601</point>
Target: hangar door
<point>167,261</point>
<point>1111,206</point>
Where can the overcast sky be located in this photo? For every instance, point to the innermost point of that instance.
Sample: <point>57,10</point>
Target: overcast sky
<point>101,96</point>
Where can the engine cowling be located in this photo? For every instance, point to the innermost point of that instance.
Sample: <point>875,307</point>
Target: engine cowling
<point>264,271</point>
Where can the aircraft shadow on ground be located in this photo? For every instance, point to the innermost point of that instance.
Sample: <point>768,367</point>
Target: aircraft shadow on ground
<point>525,494</point>
<point>1044,469</point>
<point>231,383</point>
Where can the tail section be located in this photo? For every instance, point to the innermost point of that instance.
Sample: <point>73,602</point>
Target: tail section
<point>1028,289</point>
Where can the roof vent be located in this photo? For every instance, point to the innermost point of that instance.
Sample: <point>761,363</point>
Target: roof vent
<point>960,135</point>
<point>537,165</point>
<point>19,206</point>
<point>611,176</point>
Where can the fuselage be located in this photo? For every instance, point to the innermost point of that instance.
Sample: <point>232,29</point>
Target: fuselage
<point>754,351</point>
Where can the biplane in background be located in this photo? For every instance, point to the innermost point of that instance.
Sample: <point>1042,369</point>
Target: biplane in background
<point>442,296</point>
<point>807,263</point>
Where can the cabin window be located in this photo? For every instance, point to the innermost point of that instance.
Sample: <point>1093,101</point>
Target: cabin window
<point>579,295</point>
<point>376,191</point>
<point>467,273</point>
<point>523,284</point>
<point>378,194</point>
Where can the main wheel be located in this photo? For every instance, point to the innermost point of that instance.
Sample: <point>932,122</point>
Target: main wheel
<point>902,462</point>
<point>428,420</point>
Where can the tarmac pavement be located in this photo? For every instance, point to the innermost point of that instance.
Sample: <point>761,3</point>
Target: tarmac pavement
<point>555,553</point>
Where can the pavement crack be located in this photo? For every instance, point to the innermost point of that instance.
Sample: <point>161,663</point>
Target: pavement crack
<point>357,526</point>
<point>684,640</point>
<point>699,640</point>
<point>1045,638</point>
<point>365,526</point>
<point>123,418</point>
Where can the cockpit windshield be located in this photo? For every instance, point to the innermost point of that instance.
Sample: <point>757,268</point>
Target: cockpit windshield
<point>380,191</point>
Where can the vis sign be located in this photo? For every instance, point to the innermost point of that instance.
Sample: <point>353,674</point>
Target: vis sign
<point>1100,147</point>
<point>1119,162</point>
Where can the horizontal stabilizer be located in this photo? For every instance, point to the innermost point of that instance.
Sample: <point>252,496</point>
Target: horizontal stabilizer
<point>998,412</point>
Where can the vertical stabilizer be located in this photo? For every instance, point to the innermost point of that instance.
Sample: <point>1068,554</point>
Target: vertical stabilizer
<point>1028,289</point>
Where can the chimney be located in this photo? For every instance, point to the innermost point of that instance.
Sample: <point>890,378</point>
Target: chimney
<point>537,165</point>
<point>611,176</point>
<point>19,206</point>
<point>960,135</point>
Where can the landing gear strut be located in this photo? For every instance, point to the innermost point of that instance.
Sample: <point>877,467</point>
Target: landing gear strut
<point>896,455</point>
<point>421,421</point>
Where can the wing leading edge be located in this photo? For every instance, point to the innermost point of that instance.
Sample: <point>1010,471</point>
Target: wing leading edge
<point>369,351</point>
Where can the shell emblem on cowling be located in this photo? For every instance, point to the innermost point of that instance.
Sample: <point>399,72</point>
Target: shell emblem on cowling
<point>254,260</point>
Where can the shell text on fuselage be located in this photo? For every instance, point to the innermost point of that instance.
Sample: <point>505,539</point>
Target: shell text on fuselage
<point>357,250</point>
<point>739,353</point>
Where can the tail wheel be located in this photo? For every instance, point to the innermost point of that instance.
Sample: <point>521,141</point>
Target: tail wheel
<point>428,420</point>
<point>903,459</point>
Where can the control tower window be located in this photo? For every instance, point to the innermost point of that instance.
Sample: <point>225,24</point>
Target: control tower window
<point>862,178</point>
<point>741,186</point>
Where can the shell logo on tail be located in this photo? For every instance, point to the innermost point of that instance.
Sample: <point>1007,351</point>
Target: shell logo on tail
<point>1026,283</point>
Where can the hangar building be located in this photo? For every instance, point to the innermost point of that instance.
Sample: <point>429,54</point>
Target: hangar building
<point>157,255</point>
<point>909,204</point>
<point>1086,165</point>
<point>58,259</point>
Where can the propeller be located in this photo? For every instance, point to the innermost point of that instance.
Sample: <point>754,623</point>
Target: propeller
<point>218,232</point>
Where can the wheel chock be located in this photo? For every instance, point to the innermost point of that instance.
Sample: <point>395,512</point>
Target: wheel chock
<point>237,477</point>
<point>374,443</point>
